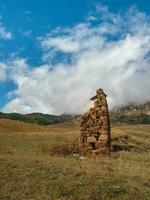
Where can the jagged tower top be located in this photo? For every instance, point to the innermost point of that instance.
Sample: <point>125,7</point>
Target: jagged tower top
<point>99,92</point>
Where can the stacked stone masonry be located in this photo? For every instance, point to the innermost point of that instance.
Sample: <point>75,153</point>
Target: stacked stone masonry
<point>95,127</point>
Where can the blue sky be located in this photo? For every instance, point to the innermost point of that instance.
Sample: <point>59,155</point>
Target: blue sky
<point>29,34</point>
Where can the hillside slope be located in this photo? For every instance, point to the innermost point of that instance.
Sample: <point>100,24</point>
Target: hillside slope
<point>37,118</point>
<point>12,126</point>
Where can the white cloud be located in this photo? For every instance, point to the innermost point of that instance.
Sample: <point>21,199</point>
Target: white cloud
<point>74,41</point>
<point>4,34</point>
<point>3,68</point>
<point>111,53</point>
<point>27,33</point>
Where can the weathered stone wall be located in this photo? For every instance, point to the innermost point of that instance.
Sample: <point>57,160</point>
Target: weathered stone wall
<point>95,127</point>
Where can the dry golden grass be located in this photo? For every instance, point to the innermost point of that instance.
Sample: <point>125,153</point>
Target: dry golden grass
<point>37,163</point>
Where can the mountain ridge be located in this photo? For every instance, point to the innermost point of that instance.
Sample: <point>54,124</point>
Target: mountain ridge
<point>130,114</point>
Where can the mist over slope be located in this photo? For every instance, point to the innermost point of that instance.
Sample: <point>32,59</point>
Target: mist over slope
<point>131,114</point>
<point>136,108</point>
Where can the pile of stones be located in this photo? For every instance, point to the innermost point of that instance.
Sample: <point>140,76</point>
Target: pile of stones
<point>95,127</point>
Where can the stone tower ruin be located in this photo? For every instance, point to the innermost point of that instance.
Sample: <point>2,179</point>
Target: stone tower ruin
<point>95,127</point>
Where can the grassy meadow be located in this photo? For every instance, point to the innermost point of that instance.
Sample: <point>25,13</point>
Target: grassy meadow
<point>38,163</point>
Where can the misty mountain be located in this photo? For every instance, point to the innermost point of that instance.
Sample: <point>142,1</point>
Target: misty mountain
<point>131,114</point>
<point>142,108</point>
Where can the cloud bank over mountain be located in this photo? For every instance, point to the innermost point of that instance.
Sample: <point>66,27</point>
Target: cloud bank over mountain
<point>107,50</point>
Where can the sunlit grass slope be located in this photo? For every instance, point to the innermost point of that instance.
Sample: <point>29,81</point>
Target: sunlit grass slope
<point>37,163</point>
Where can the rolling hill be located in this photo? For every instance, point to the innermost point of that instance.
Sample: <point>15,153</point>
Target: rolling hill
<point>37,118</point>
